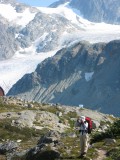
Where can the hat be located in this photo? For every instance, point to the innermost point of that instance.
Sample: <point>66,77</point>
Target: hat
<point>82,118</point>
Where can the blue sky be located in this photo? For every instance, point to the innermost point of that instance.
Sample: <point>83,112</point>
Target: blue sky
<point>39,3</point>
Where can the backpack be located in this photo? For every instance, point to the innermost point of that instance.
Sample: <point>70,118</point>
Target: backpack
<point>89,121</point>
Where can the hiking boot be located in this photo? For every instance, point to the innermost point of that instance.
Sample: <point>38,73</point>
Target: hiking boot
<point>84,153</point>
<point>81,156</point>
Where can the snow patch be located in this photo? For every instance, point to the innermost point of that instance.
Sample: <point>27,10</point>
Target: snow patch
<point>88,76</point>
<point>8,12</point>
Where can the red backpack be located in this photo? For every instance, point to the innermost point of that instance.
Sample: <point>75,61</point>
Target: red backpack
<point>89,121</point>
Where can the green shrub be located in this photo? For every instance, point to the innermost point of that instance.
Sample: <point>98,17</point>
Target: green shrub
<point>13,133</point>
<point>114,154</point>
<point>112,132</point>
<point>115,128</point>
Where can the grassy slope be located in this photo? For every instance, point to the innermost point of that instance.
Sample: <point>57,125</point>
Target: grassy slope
<point>30,136</point>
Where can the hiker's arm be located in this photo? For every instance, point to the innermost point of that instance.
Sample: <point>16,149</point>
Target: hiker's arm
<point>86,125</point>
<point>76,125</point>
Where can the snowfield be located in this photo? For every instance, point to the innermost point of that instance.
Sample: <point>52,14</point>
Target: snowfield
<point>22,19</point>
<point>89,31</point>
<point>13,69</point>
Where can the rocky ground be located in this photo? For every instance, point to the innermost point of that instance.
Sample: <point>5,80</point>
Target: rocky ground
<point>34,131</point>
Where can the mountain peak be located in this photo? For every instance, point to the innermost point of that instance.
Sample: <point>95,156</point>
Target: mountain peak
<point>95,10</point>
<point>8,1</point>
<point>99,10</point>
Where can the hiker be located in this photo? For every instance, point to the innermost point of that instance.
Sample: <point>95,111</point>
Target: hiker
<point>82,125</point>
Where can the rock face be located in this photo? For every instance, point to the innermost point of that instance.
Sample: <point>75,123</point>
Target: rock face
<point>8,147</point>
<point>82,74</point>
<point>37,31</point>
<point>6,51</point>
<point>99,10</point>
<point>95,10</point>
<point>50,137</point>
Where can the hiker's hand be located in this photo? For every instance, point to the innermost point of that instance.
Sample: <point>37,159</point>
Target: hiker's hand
<point>82,121</point>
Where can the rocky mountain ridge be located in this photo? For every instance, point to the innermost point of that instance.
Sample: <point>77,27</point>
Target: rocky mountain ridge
<point>95,10</point>
<point>81,74</point>
<point>7,37</point>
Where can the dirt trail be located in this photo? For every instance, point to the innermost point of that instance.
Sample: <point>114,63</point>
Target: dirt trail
<point>101,154</point>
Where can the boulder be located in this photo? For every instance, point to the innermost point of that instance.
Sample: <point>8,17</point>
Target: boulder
<point>8,147</point>
<point>44,155</point>
<point>26,119</point>
<point>109,141</point>
<point>50,137</point>
<point>95,124</point>
<point>43,150</point>
<point>59,114</point>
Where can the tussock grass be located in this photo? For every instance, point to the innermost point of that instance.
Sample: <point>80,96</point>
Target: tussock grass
<point>13,133</point>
